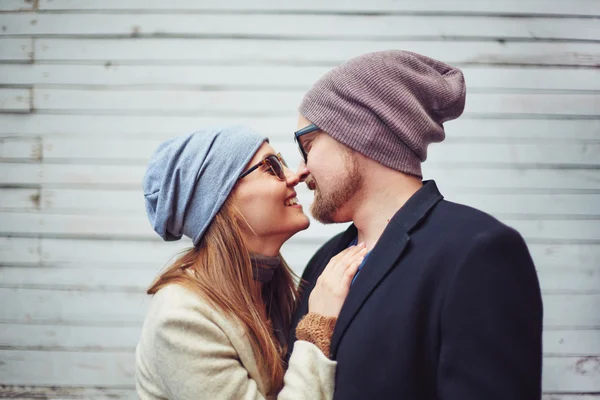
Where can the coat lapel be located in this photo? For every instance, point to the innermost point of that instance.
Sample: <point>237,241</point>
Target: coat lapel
<point>384,256</point>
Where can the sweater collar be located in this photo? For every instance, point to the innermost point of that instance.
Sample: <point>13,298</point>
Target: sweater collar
<point>264,267</point>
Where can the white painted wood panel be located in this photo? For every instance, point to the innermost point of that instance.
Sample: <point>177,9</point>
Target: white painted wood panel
<point>570,374</point>
<point>15,50</point>
<point>96,393</point>
<point>19,250</point>
<point>19,199</point>
<point>551,259</point>
<point>33,392</point>
<point>95,127</point>
<point>16,5</point>
<point>109,52</point>
<point>130,177</point>
<point>527,150</point>
<point>93,369</point>
<point>15,100</point>
<point>137,277</point>
<point>579,7</point>
<point>73,307</point>
<point>559,8</point>
<point>67,368</point>
<point>20,148</point>
<point>281,76</point>
<point>127,201</point>
<point>301,26</point>
<point>464,152</point>
<point>99,308</point>
<point>233,103</point>
<point>105,338</point>
<point>573,343</point>
<point>137,227</point>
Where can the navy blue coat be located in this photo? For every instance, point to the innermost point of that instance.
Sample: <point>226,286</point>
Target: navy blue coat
<point>446,307</point>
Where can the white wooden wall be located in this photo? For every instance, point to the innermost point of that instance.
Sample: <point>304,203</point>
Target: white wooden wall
<point>88,88</point>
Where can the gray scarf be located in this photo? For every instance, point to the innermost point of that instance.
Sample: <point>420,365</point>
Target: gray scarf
<point>264,267</point>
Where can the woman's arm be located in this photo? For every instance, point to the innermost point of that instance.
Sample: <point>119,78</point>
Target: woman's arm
<point>196,359</point>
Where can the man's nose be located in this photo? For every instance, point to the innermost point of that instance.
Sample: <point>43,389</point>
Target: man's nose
<point>302,171</point>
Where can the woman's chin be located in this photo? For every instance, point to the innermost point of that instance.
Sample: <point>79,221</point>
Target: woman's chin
<point>300,226</point>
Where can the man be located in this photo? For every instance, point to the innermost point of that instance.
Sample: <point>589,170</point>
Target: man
<point>447,303</point>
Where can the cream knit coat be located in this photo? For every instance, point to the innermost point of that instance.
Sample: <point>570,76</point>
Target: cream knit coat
<point>188,350</point>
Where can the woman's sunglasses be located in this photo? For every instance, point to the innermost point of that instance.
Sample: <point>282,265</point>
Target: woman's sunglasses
<point>274,163</point>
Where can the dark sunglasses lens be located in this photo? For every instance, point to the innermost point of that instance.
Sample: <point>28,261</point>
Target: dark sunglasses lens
<point>300,148</point>
<point>276,166</point>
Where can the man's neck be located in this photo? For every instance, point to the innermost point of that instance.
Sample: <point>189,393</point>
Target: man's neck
<point>379,202</point>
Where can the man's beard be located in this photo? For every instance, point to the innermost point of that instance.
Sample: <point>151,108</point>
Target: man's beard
<point>325,207</point>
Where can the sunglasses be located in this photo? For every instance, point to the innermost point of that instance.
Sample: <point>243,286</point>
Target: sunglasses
<point>275,164</point>
<point>306,130</point>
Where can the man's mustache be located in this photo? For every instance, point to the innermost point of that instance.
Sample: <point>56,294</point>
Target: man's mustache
<point>310,182</point>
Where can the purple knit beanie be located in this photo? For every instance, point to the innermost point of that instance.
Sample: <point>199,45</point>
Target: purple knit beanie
<point>388,105</point>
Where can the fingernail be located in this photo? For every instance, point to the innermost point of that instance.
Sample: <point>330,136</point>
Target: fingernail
<point>361,244</point>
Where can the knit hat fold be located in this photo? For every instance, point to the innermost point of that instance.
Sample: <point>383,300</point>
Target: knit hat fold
<point>388,105</point>
<point>189,178</point>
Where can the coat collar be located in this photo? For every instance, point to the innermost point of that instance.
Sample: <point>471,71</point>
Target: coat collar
<point>384,255</point>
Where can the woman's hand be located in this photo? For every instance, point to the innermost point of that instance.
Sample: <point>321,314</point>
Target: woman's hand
<point>333,285</point>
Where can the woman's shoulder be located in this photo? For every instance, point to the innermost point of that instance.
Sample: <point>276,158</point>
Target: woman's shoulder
<point>175,302</point>
<point>176,308</point>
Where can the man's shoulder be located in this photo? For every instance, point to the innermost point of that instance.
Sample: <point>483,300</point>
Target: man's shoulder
<point>468,218</point>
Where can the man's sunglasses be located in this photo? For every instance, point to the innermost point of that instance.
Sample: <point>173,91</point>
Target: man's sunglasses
<point>275,164</point>
<point>306,130</point>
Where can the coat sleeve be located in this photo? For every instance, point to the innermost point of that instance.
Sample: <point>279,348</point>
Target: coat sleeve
<point>197,361</point>
<point>491,344</point>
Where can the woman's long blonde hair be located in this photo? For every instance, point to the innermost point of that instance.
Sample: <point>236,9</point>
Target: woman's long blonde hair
<point>221,272</point>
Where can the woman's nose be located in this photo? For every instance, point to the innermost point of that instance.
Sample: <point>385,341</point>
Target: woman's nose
<point>291,178</point>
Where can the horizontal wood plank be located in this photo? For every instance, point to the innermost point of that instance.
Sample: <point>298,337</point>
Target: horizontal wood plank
<point>282,76</point>
<point>126,278</point>
<point>131,152</point>
<point>138,227</point>
<point>130,177</point>
<point>66,263</point>
<point>92,201</point>
<point>53,392</point>
<point>73,307</point>
<point>56,368</point>
<point>95,127</point>
<point>21,199</point>
<point>571,374</point>
<point>15,100</point>
<point>69,392</point>
<point>578,7</point>
<point>579,343</point>
<point>20,148</point>
<point>45,306</point>
<point>19,250</point>
<point>302,26</point>
<point>234,103</point>
<point>575,7</point>
<point>17,5</point>
<point>16,49</point>
<point>114,52</point>
<point>117,370</point>
<point>100,338</point>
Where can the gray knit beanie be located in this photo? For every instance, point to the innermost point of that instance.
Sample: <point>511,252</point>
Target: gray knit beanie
<point>189,178</point>
<point>388,105</point>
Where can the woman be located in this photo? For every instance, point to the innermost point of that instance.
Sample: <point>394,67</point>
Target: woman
<point>218,322</point>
